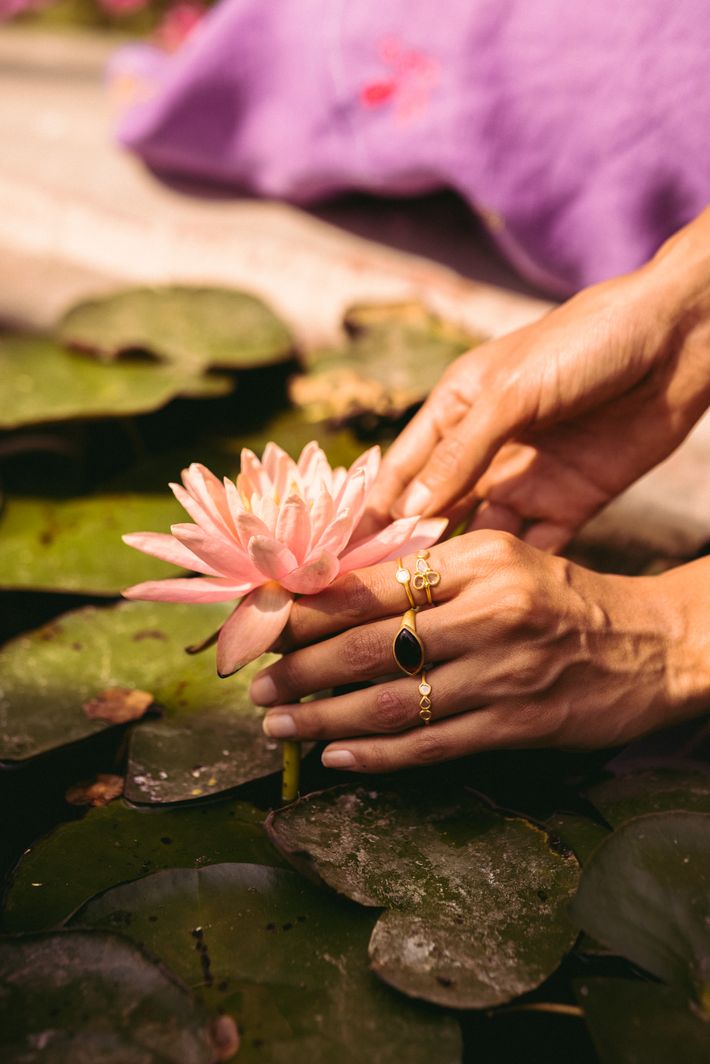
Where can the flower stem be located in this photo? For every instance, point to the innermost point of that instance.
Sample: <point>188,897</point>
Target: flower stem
<point>291,770</point>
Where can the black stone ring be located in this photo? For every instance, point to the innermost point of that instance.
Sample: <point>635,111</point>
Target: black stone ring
<point>407,647</point>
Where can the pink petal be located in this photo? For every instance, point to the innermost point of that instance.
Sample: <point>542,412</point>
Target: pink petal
<point>253,476</point>
<point>321,514</point>
<point>294,526</point>
<point>354,496</point>
<point>234,500</point>
<point>336,536</point>
<point>266,509</point>
<point>208,491</point>
<point>369,462</point>
<point>254,626</point>
<point>315,469</point>
<point>196,511</point>
<point>379,546</point>
<point>223,554</point>
<point>311,578</point>
<point>248,526</point>
<point>183,589</point>
<point>427,532</point>
<point>168,549</point>
<point>271,558</point>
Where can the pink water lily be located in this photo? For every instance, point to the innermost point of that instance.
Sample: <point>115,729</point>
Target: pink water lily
<point>284,528</point>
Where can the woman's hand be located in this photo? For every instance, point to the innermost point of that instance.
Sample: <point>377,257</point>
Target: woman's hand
<point>549,423</point>
<point>529,650</point>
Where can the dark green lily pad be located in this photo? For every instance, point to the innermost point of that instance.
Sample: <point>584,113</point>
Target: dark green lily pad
<point>393,356</point>
<point>645,894</point>
<point>74,545</point>
<point>578,833</point>
<point>633,1022</point>
<point>43,382</point>
<point>190,326</point>
<point>476,899</point>
<point>118,843</point>
<point>83,997</point>
<point>209,736</point>
<point>285,958</point>
<point>654,790</point>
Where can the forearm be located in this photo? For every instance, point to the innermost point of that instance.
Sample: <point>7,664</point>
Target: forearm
<point>685,599</point>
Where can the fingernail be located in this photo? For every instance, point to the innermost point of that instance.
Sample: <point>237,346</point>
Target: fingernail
<point>414,501</point>
<point>337,759</point>
<point>263,690</point>
<point>279,725</point>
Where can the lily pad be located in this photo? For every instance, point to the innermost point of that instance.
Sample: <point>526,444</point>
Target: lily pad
<point>578,833</point>
<point>645,894</point>
<point>42,382</point>
<point>393,356</point>
<point>475,900</point>
<point>191,326</point>
<point>74,545</point>
<point>286,959</point>
<point>209,737</point>
<point>633,1022</point>
<point>118,843</point>
<point>78,997</point>
<point>651,791</point>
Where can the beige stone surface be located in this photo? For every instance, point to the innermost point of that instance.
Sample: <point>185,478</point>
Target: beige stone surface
<point>78,216</point>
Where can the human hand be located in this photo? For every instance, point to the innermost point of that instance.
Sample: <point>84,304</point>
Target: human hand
<point>529,650</point>
<point>546,425</point>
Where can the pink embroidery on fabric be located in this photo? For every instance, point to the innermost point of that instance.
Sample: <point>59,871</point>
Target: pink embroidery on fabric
<point>413,76</point>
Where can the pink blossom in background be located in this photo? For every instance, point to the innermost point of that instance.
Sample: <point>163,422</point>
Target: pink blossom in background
<point>11,8</point>
<point>284,528</point>
<point>178,23</point>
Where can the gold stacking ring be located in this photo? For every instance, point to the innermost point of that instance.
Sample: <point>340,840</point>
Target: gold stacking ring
<point>425,578</point>
<point>403,577</point>
<point>407,647</point>
<point>425,713</point>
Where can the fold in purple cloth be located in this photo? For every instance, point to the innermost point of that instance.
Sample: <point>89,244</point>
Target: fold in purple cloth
<point>579,132</point>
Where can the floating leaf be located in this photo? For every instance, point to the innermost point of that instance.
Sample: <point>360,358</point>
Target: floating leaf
<point>74,545</point>
<point>651,791</point>
<point>42,382</point>
<point>286,959</point>
<point>118,705</point>
<point>645,894</point>
<point>209,737</point>
<point>191,326</point>
<point>118,843</point>
<point>476,900</point>
<point>98,792</point>
<point>633,1022</point>
<point>393,357</point>
<point>86,996</point>
<point>578,833</point>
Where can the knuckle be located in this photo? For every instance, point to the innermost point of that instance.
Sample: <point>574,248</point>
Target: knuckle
<point>498,549</point>
<point>392,712</point>
<point>362,650</point>
<point>429,747</point>
<point>356,597</point>
<point>287,673</point>
<point>446,459</point>
<point>518,606</point>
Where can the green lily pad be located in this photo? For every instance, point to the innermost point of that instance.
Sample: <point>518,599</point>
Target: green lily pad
<point>209,736</point>
<point>475,900</point>
<point>393,356</point>
<point>632,1022</point>
<point>80,997</point>
<point>579,833</point>
<point>117,843</point>
<point>645,894</point>
<point>654,790</point>
<point>43,382</point>
<point>286,959</point>
<point>190,326</point>
<point>74,545</point>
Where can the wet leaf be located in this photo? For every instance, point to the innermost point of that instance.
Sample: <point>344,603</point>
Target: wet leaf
<point>577,833</point>
<point>188,326</point>
<point>651,791</point>
<point>645,894</point>
<point>74,545</point>
<point>209,737</point>
<point>392,358</point>
<point>98,792</point>
<point>80,997</point>
<point>476,899</point>
<point>288,960</point>
<point>633,1022</point>
<point>118,705</point>
<point>42,382</point>
<point>119,843</point>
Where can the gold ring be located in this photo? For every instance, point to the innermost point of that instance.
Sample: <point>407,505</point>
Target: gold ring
<point>407,647</point>
<point>425,713</point>
<point>403,576</point>
<point>425,578</point>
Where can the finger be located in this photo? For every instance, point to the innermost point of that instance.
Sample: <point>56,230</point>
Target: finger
<point>381,709</point>
<point>362,653</point>
<point>490,728</point>
<point>367,595</point>
<point>547,536</point>
<point>457,461</point>
<point>497,517</point>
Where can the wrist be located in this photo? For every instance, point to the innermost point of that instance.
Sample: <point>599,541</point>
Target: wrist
<point>678,280</point>
<point>683,595</point>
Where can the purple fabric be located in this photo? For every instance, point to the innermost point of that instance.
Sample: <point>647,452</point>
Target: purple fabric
<point>579,132</point>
